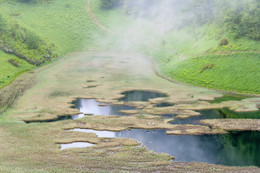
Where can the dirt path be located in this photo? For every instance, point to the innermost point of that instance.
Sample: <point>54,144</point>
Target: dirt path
<point>94,18</point>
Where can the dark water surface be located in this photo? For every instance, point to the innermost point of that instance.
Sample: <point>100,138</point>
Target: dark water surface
<point>89,106</point>
<point>164,104</point>
<point>235,149</point>
<point>139,95</point>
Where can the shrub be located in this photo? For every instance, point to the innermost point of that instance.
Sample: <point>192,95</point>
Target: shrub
<point>13,62</point>
<point>223,42</point>
<point>207,66</point>
<point>32,40</point>
<point>34,62</point>
<point>2,23</point>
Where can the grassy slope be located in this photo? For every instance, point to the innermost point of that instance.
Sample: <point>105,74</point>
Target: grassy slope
<point>236,65</point>
<point>67,24</point>
<point>238,62</point>
<point>238,71</point>
<point>7,71</point>
<point>62,22</point>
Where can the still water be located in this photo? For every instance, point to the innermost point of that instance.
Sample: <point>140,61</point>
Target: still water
<point>91,106</point>
<point>139,95</point>
<point>234,149</point>
<point>75,145</point>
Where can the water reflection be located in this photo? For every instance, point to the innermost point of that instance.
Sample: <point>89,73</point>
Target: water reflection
<point>88,106</point>
<point>139,95</point>
<point>91,106</point>
<point>100,134</point>
<point>164,104</point>
<point>75,145</point>
<point>235,149</point>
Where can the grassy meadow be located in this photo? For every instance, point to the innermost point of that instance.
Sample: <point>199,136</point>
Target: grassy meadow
<point>233,72</point>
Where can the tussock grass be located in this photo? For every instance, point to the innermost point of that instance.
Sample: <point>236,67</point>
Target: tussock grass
<point>10,93</point>
<point>39,141</point>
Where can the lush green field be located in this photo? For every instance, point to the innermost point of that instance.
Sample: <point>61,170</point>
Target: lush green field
<point>233,72</point>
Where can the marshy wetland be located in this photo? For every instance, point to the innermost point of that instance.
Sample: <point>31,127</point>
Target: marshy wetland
<point>115,124</point>
<point>233,149</point>
<point>116,105</point>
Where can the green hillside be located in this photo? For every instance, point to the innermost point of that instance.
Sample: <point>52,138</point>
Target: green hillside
<point>36,32</point>
<point>218,32</point>
<point>214,44</point>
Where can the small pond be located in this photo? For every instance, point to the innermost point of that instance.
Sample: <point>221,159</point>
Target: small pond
<point>91,106</point>
<point>139,95</point>
<point>234,149</point>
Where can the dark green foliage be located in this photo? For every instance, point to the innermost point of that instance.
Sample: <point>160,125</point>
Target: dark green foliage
<point>2,23</point>
<point>13,62</point>
<point>223,42</point>
<point>110,4</point>
<point>32,40</point>
<point>241,18</point>
<point>238,18</point>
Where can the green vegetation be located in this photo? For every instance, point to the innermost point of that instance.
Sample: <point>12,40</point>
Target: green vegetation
<point>228,98</point>
<point>222,36</point>
<point>222,71</point>
<point>23,43</point>
<point>204,30</point>
<point>35,32</point>
<point>8,70</point>
<point>39,31</point>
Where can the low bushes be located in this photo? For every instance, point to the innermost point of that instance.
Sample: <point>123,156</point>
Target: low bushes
<point>25,44</point>
<point>223,42</point>
<point>13,62</point>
